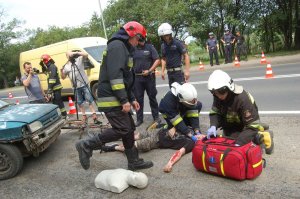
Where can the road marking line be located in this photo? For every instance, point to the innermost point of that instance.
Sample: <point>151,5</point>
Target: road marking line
<point>207,112</point>
<point>241,79</point>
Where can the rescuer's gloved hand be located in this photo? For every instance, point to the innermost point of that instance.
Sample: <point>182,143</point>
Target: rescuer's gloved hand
<point>212,131</point>
<point>194,138</point>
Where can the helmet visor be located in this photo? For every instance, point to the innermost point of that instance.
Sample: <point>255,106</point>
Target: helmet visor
<point>220,91</point>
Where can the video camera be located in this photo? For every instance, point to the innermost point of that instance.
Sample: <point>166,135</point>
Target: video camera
<point>73,57</point>
<point>36,71</point>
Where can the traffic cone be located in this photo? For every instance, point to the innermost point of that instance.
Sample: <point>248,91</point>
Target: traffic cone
<point>10,95</point>
<point>157,72</point>
<point>72,106</point>
<point>201,65</point>
<point>236,62</point>
<point>263,59</point>
<point>269,72</point>
<point>17,102</point>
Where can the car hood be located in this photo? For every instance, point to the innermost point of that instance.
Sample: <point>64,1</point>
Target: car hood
<point>26,113</point>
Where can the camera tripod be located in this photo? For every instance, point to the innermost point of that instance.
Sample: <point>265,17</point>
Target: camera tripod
<point>84,126</point>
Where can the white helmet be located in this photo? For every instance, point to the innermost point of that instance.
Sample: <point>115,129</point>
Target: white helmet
<point>164,29</point>
<point>219,79</point>
<point>186,93</point>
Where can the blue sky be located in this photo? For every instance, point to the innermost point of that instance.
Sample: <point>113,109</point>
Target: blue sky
<point>43,13</point>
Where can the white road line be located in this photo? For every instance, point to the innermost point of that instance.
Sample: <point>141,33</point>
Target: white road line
<point>206,113</point>
<point>241,79</point>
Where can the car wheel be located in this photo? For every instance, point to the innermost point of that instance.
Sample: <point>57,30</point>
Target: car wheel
<point>11,161</point>
<point>94,90</point>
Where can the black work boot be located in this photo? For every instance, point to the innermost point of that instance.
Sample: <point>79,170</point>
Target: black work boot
<point>85,150</point>
<point>134,162</point>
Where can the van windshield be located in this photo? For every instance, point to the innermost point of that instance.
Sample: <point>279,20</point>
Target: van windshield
<point>96,52</point>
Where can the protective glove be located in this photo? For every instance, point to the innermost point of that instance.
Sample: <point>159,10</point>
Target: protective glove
<point>211,131</point>
<point>194,138</point>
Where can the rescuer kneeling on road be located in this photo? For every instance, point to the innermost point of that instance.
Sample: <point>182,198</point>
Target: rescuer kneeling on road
<point>115,97</point>
<point>235,111</point>
<point>180,109</point>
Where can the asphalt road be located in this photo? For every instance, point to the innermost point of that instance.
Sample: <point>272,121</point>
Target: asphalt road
<point>280,93</point>
<point>57,172</point>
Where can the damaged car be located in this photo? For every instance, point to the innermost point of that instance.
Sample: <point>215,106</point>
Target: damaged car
<point>25,130</point>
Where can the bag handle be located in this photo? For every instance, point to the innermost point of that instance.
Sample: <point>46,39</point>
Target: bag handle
<point>225,153</point>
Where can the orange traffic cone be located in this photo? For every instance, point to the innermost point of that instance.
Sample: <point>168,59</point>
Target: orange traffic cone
<point>72,106</point>
<point>10,95</point>
<point>17,102</point>
<point>236,62</point>
<point>157,72</point>
<point>201,65</point>
<point>263,59</point>
<point>269,72</point>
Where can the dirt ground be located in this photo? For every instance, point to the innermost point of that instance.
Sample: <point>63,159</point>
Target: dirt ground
<point>57,172</point>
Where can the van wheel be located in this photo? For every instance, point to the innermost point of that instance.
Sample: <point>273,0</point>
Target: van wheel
<point>94,90</point>
<point>11,161</point>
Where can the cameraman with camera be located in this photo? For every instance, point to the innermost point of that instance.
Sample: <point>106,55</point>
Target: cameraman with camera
<point>32,85</point>
<point>74,69</point>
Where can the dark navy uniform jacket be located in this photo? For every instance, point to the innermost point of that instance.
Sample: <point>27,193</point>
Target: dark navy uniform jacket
<point>173,53</point>
<point>177,115</point>
<point>212,42</point>
<point>116,77</point>
<point>228,38</point>
<point>144,57</point>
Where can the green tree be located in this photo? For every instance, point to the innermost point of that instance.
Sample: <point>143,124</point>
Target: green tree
<point>8,64</point>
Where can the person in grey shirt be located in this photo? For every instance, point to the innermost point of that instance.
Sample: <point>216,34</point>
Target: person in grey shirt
<point>32,85</point>
<point>74,69</point>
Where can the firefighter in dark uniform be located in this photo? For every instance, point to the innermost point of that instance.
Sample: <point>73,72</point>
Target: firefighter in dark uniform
<point>145,59</point>
<point>240,46</point>
<point>228,40</point>
<point>54,85</point>
<point>172,52</point>
<point>181,109</point>
<point>115,97</point>
<point>235,111</point>
<point>212,48</point>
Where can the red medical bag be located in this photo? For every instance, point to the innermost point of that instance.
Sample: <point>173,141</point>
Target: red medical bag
<point>220,156</point>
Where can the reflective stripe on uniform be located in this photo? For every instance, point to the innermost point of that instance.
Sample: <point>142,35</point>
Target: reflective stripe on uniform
<point>57,87</point>
<point>256,125</point>
<point>176,120</point>
<point>108,102</point>
<point>250,97</point>
<point>164,116</point>
<point>52,81</point>
<point>63,110</point>
<point>192,113</point>
<point>232,117</point>
<point>117,84</point>
<point>130,62</point>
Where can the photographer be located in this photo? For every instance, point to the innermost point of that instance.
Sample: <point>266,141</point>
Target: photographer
<point>74,69</point>
<point>32,85</point>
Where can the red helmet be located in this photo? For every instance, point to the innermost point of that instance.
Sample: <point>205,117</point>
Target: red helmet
<point>134,28</point>
<point>45,58</point>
